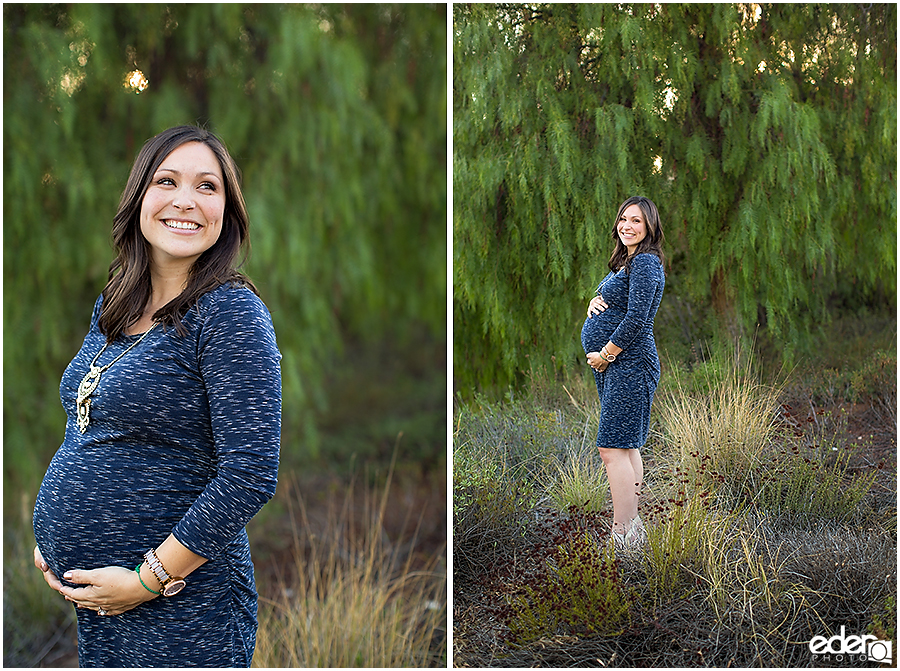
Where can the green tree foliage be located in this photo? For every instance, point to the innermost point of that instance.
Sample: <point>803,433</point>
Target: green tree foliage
<point>336,116</point>
<point>766,135</point>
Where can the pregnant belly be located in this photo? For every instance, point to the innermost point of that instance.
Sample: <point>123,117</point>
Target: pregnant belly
<point>641,352</point>
<point>102,507</point>
<point>597,330</point>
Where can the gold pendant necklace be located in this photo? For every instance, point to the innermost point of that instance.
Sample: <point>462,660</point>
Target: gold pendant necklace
<point>92,379</point>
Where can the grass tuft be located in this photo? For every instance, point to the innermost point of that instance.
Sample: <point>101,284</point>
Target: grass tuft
<point>581,477</point>
<point>351,598</point>
<point>717,430</point>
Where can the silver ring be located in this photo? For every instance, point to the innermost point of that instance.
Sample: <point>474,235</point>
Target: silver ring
<point>101,611</point>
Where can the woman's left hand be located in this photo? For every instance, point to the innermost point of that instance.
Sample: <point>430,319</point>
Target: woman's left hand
<point>597,362</point>
<point>112,590</point>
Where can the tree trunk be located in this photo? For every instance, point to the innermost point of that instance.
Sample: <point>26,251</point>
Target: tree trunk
<point>724,304</point>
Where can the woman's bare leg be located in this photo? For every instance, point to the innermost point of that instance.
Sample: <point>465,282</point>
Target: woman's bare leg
<point>638,465</point>
<point>621,475</point>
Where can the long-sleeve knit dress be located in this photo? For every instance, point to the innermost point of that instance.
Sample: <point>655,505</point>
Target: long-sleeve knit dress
<point>183,438</point>
<point>627,385</point>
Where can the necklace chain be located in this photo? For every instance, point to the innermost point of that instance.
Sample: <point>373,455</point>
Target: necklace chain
<point>92,379</point>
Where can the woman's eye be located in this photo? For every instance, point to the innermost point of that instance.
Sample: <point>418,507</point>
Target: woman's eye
<point>165,180</point>
<point>208,185</point>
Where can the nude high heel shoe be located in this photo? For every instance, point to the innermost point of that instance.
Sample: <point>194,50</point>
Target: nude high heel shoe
<point>632,538</point>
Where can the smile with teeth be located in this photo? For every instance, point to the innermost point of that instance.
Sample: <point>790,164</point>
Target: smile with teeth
<point>181,225</point>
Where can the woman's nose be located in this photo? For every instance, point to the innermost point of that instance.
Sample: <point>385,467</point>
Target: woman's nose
<point>183,200</point>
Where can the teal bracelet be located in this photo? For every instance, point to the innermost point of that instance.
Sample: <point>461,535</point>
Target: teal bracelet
<point>137,569</point>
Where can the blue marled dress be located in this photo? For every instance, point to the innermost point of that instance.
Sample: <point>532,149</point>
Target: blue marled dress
<point>183,438</point>
<point>627,385</point>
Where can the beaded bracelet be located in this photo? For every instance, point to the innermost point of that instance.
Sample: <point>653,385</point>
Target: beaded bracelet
<point>137,569</point>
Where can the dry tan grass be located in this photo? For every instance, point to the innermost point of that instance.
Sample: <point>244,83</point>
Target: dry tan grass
<point>352,599</point>
<point>727,429</point>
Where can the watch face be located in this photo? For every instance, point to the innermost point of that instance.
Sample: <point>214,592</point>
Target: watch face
<point>174,587</point>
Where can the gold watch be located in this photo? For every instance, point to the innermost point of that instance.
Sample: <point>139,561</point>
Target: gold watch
<point>171,585</point>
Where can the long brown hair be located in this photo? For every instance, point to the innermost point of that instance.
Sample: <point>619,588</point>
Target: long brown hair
<point>128,285</point>
<point>652,242</point>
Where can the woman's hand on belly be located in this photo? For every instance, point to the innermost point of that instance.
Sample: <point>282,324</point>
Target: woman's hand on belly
<point>597,362</point>
<point>596,306</point>
<point>49,575</point>
<point>112,589</point>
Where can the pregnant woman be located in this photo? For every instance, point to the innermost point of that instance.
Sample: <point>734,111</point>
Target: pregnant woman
<point>617,337</point>
<point>173,430</point>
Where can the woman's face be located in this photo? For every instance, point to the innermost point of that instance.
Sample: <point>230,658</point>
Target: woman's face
<point>632,228</point>
<point>182,211</point>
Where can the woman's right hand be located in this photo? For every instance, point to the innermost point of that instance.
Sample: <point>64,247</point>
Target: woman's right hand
<point>596,361</point>
<point>596,306</point>
<point>49,575</point>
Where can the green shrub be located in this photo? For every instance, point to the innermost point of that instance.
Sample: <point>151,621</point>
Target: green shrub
<point>490,506</point>
<point>579,592</point>
<point>875,384</point>
<point>795,484</point>
<point>871,380</point>
<point>884,619</point>
<point>489,525</point>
